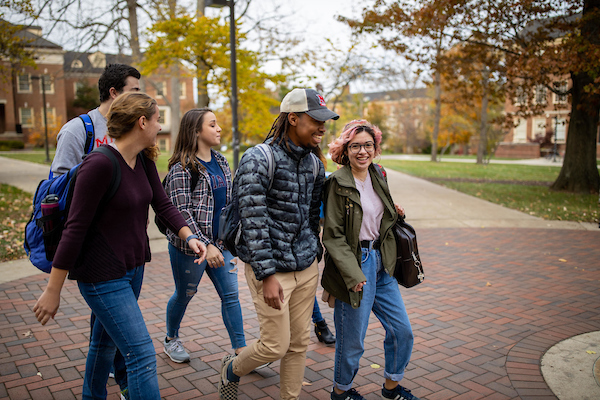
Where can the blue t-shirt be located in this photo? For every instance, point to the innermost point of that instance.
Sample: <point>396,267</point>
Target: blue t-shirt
<point>219,188</point>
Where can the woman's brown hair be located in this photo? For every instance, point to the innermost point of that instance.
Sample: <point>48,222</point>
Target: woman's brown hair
<point>124,113</point>
<point>186,144</point>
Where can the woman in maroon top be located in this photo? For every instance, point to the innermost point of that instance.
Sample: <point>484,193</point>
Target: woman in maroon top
<point>104,247</point>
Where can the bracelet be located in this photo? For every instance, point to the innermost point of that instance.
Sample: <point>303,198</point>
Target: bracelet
<point>187,240</point>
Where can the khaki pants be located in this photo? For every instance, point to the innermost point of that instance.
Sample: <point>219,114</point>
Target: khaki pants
<point>285,333</point>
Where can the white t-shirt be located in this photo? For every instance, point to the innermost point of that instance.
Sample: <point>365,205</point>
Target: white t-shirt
<point>372,208</point>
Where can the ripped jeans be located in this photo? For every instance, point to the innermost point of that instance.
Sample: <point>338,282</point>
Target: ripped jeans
<point>187,276</point>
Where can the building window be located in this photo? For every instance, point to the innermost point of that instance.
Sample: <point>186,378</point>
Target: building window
<point>520,98</point>
<point>182,90</point>
<point>24,83</point>
<point>539,127</point>
<point>26,117</point>
<point>76,64</point>
<point>562,88</point>
<point>162,144</point>
<point>165,118</point>
<point>50,115</point>
<point>540,94</point>
<point>48,84</point>
<point>520,131</point>
<point>161,89</point>
<point>561,129</point>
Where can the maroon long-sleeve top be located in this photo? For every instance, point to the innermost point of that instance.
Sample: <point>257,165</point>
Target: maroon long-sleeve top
<point>101,242</point>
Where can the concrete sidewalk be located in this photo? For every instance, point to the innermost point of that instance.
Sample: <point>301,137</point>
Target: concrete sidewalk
<point>504,290</point>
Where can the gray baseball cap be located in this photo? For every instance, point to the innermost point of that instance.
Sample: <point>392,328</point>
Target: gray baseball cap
<point>308,101</point>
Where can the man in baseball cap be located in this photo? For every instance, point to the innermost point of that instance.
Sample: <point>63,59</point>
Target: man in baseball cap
<point>279,241</point>
<point>308,101</point>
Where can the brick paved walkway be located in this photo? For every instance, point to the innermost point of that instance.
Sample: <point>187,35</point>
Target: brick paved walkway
<point>493,301</point>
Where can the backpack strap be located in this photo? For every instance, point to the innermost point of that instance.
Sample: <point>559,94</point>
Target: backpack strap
<point>116,176</point>
<point>268,153</point>
<point>315,164</point>
<point>89,133</point>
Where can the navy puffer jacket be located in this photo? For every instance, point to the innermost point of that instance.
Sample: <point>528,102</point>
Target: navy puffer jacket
<point>280,226</point>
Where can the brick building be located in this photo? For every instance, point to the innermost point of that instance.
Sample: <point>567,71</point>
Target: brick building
<point>21,94</point>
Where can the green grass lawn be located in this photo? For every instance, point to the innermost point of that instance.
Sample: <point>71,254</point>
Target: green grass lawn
<point>15,210</point>
<point>535,200</point>
<point>529,198</point>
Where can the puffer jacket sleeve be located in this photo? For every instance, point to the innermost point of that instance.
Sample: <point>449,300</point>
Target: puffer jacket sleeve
<point>315,208</point>
<point>252,183</point>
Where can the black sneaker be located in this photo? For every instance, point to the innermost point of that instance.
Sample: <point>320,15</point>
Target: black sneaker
<point>351,394</point>
<point>323,333</point>
<point>398,393</point>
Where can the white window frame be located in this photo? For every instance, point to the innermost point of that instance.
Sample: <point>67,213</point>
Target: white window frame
<point>47,78</point>
<point>539,95</point>
<point>50,114</point>
<point>161,87</point>
<point>24,125</point>
<point>557,98</point>
<point>182,90</point>
<point>165,122</point>
<point>76,64</point>
<point>539,127</point>
<point>561,130</point>
<point>520,97</point>
<point>520,131</point>
<point>19,90</point>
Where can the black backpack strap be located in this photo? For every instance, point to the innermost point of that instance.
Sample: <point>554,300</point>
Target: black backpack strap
<point>116,176</point>
<point>89,133</point>
<point>195,178</point>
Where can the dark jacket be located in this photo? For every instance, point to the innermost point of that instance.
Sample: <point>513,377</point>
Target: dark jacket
<point>343,219</point>
<point>280,226</point>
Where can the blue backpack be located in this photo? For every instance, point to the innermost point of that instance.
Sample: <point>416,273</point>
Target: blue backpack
<point>40,246</point>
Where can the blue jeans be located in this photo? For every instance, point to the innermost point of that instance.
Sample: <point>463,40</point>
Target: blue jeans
<point>382,296</point>
<point>118,367</point>
<point>187,276</point>
<point>119,324</point>
<point>316,315</point>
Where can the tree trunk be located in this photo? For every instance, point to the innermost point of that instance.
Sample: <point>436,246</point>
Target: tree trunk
<point>175,106</point>
<point>437,115</point>
<point>579,172</point>
<point>134,39</point>
<point>481,148</point>
<point>202,72</point>
<point>202,78</point>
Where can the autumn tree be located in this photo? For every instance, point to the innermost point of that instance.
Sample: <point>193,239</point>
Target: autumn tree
<point>203,42</point>
<point>430,25</point>
<point>543,42</point>
<point>13,41</point>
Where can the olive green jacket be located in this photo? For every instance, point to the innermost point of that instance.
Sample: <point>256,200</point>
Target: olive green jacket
<point>343,218</point>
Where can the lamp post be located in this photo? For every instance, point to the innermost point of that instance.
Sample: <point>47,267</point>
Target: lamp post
<point>234,97</point>
<point>555,149</point>
<point>43,83</point>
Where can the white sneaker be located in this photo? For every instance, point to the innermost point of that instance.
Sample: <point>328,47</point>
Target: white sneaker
<point>175,350</point>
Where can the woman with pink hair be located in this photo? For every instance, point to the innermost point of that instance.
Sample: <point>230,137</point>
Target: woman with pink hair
<point>360,261</point>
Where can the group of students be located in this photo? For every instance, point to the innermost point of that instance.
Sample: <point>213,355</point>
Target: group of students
<point>105,246</point>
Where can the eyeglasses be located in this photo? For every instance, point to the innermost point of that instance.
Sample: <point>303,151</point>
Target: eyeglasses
<point>355,147</point>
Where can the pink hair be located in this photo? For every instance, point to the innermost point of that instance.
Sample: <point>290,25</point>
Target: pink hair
<point>337,148</point>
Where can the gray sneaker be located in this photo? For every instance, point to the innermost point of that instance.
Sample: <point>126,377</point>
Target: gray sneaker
<point>174,349</point>
<point>227,390</point>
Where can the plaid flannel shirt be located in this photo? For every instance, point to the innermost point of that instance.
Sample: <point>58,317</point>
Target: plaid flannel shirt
<point>197,208</point>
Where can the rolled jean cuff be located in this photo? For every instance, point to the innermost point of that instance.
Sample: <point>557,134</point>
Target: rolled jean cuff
<point>393,377</point>
<point>342,387</point>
